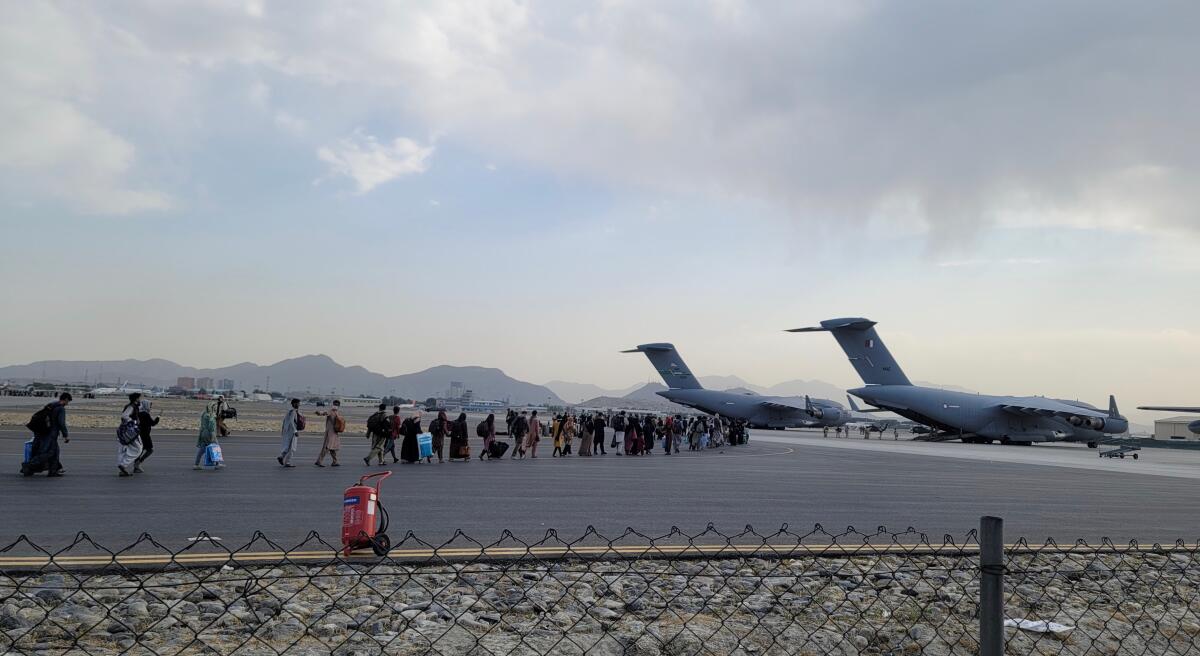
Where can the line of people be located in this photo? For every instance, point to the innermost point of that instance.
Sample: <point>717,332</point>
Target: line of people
<point>632,435</point>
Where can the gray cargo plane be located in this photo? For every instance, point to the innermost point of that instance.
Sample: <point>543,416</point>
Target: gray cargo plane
<point>1194,426</point>
<point>758,411</point>
<point>976,418</point>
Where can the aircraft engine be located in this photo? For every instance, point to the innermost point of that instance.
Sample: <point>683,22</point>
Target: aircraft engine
<point>1095,423</point>
<point>1194,427</point>
<point>1075,421</point>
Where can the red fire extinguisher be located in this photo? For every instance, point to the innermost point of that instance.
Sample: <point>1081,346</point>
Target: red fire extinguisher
<point>364,519</point>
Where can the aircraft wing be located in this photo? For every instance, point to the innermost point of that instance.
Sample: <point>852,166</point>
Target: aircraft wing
<point>1168,408</point>
<point>1048,408</point>
<point>781,406</point>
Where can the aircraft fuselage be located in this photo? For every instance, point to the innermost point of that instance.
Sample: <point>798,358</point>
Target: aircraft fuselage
<point>983,415</point>
<point>751,408</point>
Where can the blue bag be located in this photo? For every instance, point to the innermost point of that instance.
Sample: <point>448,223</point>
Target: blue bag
<point>425,444</point>
<point>28,452</point>
<point>213,455</point>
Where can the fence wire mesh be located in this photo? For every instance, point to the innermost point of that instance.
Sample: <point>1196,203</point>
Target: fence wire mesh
<point>782,592</point>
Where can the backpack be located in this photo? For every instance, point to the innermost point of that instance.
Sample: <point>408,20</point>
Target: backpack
<point>377,424</point>
<point>619,424</point>
<point>481,430</point>
<point>339,424</point>
<point>520,426</point>
<point>40,423</point>
<point>301,422</point>
<point>127,432</point>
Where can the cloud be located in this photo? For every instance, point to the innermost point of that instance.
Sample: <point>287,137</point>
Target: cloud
<point>369,163</point>
<point>50,146</point>
<point>1079,114</point>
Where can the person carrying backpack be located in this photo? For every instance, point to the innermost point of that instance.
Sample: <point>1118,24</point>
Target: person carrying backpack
<point>46,425</point>
<point>129,438</point>
<point>618,425</point>
<point>520,428</point>
<point>379,430</point>
<point>439,428</point>
<point>335,425</point>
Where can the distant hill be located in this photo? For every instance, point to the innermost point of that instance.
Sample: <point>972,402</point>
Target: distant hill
<point>576,392</point>
<point>318,374</point>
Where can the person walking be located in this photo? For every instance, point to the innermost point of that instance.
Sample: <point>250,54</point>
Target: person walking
<point>293,424</point>
<point>556,427</point>
<point>410,429</point>
<point>146,423</point>
<point>618,426</point>
<point>460,448</point>
<point>488,433</point>
<point>389,445</point>
<point>334,426</point>
<point>47,425</point>
<point>222,406</point>
<point>534,435</point>
<point>568,434</point>
<point>598,425</point>
<point>439,428</point>
<point>585,436</point>
<point>129,439</point>
<point>630,436</point>
<point>209,434</point>
<point>520,427</point>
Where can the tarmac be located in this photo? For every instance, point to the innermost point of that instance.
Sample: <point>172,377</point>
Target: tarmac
<point>797,478</point>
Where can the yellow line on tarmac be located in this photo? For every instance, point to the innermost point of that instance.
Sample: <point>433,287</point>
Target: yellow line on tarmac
<point>559,551</point>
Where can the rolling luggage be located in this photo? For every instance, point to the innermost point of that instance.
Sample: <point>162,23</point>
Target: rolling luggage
<point>497,449</point>
<point>425,445</point>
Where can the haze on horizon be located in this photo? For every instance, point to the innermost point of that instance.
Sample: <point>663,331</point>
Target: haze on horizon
<point>1011,190</point>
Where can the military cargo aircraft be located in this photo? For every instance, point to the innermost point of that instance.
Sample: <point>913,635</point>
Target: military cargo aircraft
<point>756,410</point>
<point>1194,426</point>
<point>974,418</point>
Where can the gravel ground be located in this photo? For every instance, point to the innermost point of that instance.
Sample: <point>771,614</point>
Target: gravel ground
<point>1132,603</point>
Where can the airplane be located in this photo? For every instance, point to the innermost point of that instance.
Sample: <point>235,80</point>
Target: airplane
<point>974,418</point>
<point>123,390</point>
<point>756,410</point>
<point>1194,426</point>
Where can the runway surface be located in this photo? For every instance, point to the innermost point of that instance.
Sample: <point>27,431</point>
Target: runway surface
<point>794,478</point>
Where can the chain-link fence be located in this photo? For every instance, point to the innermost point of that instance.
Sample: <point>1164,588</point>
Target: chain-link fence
<point>784,592</point>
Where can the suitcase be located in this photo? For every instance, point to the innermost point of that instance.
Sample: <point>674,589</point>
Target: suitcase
<point>213,456</point>
<point>28,452</point>
<point>425,445</point>
<point>498,449</point>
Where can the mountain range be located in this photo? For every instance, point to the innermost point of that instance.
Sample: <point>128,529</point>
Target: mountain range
<point>316,374</point>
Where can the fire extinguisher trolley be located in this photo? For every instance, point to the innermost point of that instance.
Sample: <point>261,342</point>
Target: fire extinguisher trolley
<point>364,519</point>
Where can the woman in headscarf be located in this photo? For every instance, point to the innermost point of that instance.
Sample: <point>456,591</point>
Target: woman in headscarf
<point>534,436</point>
<point>439,428</point>
<point>459,448</point>
<point>145,424</point>
<point>410,429</point>
<point>208,434</point>
<point>568,434</point>
<point>489,436</point>
<point>556,427</point>
<point>630,446</point>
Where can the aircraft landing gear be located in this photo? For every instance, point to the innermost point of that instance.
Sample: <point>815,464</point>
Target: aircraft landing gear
<point>1092,445</point>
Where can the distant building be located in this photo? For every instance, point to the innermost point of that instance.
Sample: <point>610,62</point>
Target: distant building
<point>226,384</point>
<point>204,383</point>
<point>1176,429</point>
<point>186,383</point>
<point>456,390</point>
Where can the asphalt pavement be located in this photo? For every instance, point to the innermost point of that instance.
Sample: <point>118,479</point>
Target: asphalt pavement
<point>779,478</point>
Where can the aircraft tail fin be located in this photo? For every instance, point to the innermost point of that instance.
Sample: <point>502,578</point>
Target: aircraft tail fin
<point>853,406</point>
<point>1113,412</point>
<point>670,366</point>
<point>871,359</point>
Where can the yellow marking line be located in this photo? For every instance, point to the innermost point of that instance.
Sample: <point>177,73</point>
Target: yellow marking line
<point>557,551</point>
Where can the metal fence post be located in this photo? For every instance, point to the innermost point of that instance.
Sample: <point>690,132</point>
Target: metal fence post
<point>991,586</point>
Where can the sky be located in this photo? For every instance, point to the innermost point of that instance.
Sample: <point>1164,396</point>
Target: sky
<point>1009,189</point>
